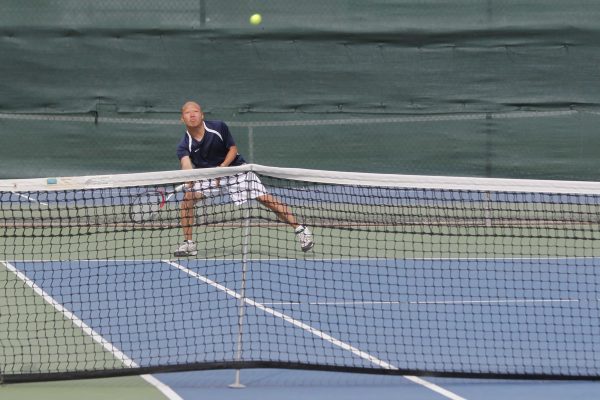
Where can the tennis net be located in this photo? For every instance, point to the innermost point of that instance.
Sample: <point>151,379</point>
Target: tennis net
<point>416,275</point>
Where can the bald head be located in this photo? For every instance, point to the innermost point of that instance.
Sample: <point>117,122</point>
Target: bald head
<point>192,116</point>
<point>191,105</point>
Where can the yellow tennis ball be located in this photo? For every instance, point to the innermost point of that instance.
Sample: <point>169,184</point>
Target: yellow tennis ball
<point>255,19</point>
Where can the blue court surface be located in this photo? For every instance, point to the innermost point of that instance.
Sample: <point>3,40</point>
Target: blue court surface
<point>270,384</point>
<point>323,311</point>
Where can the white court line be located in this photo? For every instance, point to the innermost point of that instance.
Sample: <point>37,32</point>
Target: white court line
<point>29,198</point>
<point>108,346</point>
<point>314,331</point>
<point>164,389</point>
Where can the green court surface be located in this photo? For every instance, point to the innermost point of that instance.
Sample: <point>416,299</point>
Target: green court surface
<point>130,388</point>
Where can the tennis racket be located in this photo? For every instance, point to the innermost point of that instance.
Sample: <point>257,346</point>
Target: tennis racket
<point>146,206</point>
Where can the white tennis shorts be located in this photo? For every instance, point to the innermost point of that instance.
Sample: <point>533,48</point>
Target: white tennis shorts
<point>241,187</point>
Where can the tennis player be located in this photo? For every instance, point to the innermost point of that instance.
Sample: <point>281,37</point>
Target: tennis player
<point>209,144</point>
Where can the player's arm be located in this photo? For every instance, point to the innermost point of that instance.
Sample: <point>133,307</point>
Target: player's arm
<point>186,163</point>
<point>231,154</point>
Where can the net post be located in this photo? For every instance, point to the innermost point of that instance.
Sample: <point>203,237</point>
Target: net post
<point>245,245</point>
<point>237,384</point>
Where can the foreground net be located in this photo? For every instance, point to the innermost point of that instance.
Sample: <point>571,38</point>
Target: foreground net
<point>408,275</point>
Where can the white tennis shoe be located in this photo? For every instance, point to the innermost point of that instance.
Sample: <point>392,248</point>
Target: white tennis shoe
<point>305,238</point>
<point>186,249</point>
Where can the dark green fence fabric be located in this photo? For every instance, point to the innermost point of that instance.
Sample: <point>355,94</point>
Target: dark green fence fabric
<point>495,88</point>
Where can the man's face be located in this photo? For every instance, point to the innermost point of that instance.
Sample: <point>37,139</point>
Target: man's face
<point>191,115</point>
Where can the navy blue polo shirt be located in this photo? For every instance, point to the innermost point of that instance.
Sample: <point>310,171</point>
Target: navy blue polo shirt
<point>212,149</point>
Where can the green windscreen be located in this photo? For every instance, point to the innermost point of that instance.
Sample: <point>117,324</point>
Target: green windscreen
<point>488,88</point>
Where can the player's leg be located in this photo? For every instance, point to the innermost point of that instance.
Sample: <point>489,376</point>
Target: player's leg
<point>188,207</point>
<point>284,213</point>
<point>243,187</point>
<point>187,212</point>
<point>280,209</point>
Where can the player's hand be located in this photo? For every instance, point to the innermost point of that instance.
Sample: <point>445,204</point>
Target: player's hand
<point>218,180</point>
